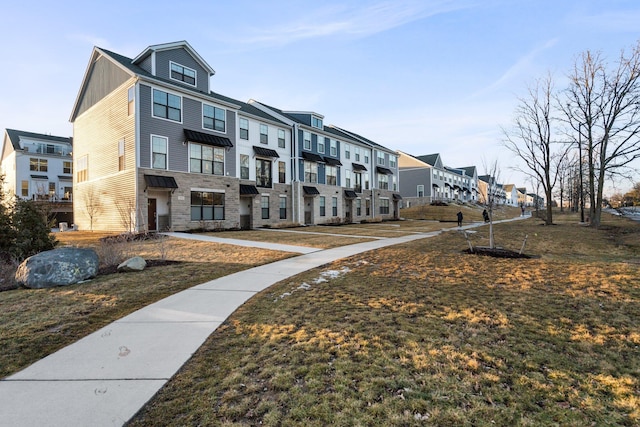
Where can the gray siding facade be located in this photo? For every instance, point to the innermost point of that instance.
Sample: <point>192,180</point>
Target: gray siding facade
<point>103,78</point>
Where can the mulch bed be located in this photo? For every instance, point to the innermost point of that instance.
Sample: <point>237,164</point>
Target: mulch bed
<point>495,252</point>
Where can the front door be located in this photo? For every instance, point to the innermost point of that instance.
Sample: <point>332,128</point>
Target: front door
<point>152,214</point>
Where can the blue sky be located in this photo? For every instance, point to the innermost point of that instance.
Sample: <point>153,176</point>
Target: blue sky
<point>421,76</point>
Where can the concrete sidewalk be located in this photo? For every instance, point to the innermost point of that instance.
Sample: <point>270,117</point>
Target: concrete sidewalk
<point>106,377</point>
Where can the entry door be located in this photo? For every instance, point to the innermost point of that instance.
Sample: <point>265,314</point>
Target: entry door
<point>152,215</point>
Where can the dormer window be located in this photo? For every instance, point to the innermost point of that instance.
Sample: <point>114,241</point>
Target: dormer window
<point>183,74</point>
<point>316,122</point>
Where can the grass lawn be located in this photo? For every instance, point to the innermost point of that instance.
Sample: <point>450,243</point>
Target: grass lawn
<point>422,334</point>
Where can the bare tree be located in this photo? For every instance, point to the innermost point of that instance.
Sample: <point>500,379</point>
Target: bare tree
<point>127,211</point>
<point>603,108</point>
<point>491,197</point>
<point>531,139</point>
<point>92,204</point>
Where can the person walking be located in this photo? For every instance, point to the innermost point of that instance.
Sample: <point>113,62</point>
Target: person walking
<point>485,215</point>
<point>459,218</point>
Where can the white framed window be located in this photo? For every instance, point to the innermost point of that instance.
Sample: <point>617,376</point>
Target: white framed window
<point>380,156</point>
<point>206,159</point>
<point>331,175</point>
<point>366,157</point>
<point>182,73</point>
<point>322,203</point>
<point>159,152</point>
<point>38,165</point>
<point>347,178</point>
<point>358,207</point>
<point>263,173</point>
<point>214,118</point>
<point>356,152</point>
<point>82,168</point>
<point>281,141</point>
<point>121,155</point>
<point>383,181</point>
<point>310,172</point>
<point>282,172</point>
<point>320,144</point>
<point>306,137</point>
<point>334,206</point>
<point>316,122</point>
<point>384,206</point>
<point>131,98</point>
<point>264,134</point>
<point>244,166</point>
<point>283,207</point>
<point>264,206</point>
<point>67,167</point>
<point>244,128</point>
<point>334,147</point>
<point>347,151</point>
<point>167,106</point>
<point>420,190</point>
<point>392,161</point>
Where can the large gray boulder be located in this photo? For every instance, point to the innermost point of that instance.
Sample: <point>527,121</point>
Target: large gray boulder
<point>58,267</point>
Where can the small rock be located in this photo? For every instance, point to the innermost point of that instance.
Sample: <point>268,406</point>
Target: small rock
<point>133,264</point>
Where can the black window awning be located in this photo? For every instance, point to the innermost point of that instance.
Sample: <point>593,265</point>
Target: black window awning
<point>397,197</point>
<point>435,185</point>
<point>157,181</point>
<point>358,167</point>
<point>312,156</point>
<point>65,178</point>
<point>207,138</point>
<point>350,194</point>
<point>446,184</point>
<point>384,171</point>
<point>39,177</point>
<point>310,191</point>
<point>266,152</point>
<point>331,161</point>
<point>248,190</point>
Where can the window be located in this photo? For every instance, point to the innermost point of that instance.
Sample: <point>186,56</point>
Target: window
<point>206,159</point>
<point>158,152</point>
<point>283,207</point>
<point>82,166</point>
<point>306,137</point>
<point>384,206</point>
<point>366,157</point>
<point>24,191</point>
<point>395,183</point>
<point>356,151</point>
<point>121,155</point>
<point>383,181</point>
<point>322,206</point>
<point>68,192</point>
<point>213,118</point>
<point>334,147</point>
<point>347,178</point>
<point>167,106</point>
<point>420,190</point>
<point>263,173</point>
<point>380,158</point>
<point>67,167</point>
<point>244,128</point>
<point>131,97</point>
<point>366,180</point>
<point>310,172</point>
<point>183,74</point>
<point>358,207</point>
<point>244,166</point>
<point>334,206</point>
<point>281,138</point>
<point>38,165</point>
<point>282,172</point>
<point>207,206</point>
<point>367,207</point>
<point>264,134</point>
<point>392,161</point>
<point>347,151</point>
<point>52,190</point>
<point>316,122</point>
<point>358,182</point>
<point>320,144</point>
<point>264,205</point>
<point>331,175</point>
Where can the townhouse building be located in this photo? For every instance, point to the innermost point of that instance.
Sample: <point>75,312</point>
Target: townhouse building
<point>425,179</point>
<point>156,148</point>
<point>39,167</point>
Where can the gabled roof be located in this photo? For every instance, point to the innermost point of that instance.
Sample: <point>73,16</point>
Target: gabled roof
<point>167,46</point>
<point>454,170</point>
<point>14,137</point>
<point>429,159</point>
<point>509,187</point>
<point>469,170</point>
<point>250,109</point>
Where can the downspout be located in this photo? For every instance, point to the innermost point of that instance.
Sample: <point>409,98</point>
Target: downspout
<point>295,193</point>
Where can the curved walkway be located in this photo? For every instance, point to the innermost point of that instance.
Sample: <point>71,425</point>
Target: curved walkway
<point>106,377</point>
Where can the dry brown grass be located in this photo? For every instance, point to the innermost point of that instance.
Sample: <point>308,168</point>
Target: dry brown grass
<point>422,334</point>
